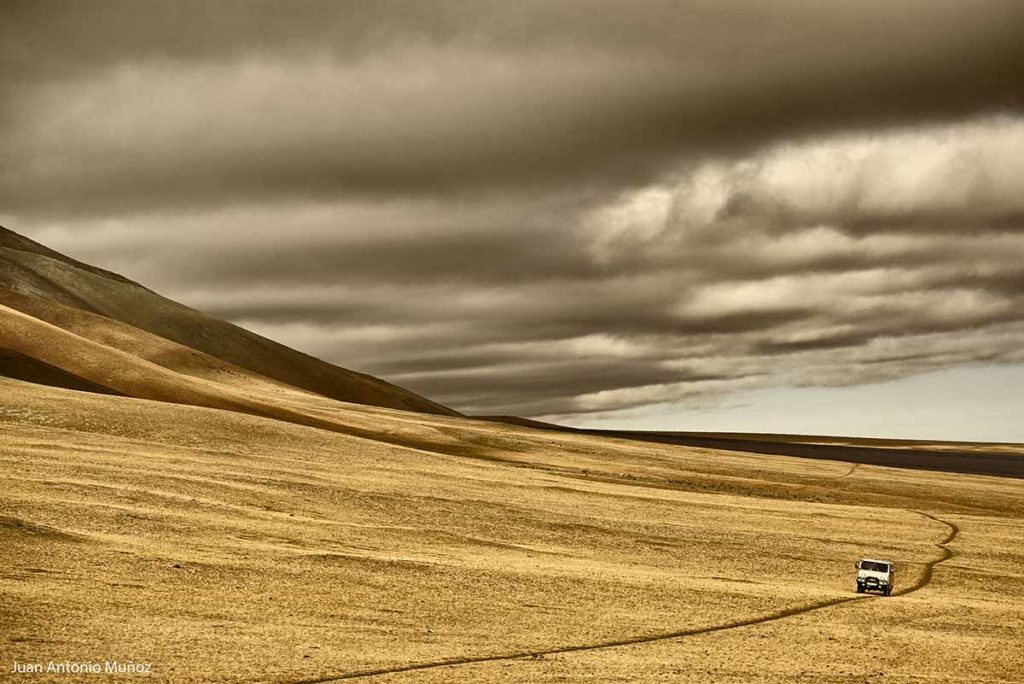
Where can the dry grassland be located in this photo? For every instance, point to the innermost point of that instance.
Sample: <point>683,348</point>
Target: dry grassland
<point>232,546</point>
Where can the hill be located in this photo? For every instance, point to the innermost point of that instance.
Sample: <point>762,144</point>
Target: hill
<point>111,311</point>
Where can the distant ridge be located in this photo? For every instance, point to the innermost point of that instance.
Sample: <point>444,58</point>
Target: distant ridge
<point>972,458</point>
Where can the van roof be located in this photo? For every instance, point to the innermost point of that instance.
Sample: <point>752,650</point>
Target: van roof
<point>877,560</point>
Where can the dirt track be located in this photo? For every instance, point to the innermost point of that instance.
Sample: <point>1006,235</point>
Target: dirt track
<point>925,579</point>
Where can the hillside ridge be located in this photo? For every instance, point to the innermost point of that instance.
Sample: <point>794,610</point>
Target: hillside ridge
<point>63,291</point>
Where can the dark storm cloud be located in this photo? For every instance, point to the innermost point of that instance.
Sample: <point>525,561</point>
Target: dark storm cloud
<point>542,208</point>
<point>127,105</point>
<point>689,296</point>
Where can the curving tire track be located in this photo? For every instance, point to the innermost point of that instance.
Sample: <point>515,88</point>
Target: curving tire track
<point>926,578</point>
<point>585,647</point>
<point>849,472</point>
<point>929,567</point>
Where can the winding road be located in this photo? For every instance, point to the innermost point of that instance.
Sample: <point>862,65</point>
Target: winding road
<point>952,530</point>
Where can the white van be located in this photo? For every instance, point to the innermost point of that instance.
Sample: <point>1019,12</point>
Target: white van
<point>875,575</point>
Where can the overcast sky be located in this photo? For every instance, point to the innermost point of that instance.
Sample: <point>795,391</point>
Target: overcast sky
<point>603,213</point>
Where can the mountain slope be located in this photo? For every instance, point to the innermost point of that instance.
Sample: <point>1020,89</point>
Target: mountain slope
<point>40,282</point>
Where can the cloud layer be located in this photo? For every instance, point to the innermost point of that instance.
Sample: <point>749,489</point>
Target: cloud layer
<point>132,106</point>
<point>547,209</point>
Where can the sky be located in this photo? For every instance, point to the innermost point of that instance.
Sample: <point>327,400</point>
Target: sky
<point>765,215</point>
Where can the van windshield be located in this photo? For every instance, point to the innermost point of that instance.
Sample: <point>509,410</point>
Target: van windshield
<point>874,567</point>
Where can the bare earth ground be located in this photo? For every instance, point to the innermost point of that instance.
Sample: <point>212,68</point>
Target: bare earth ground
<point>220,546</point>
